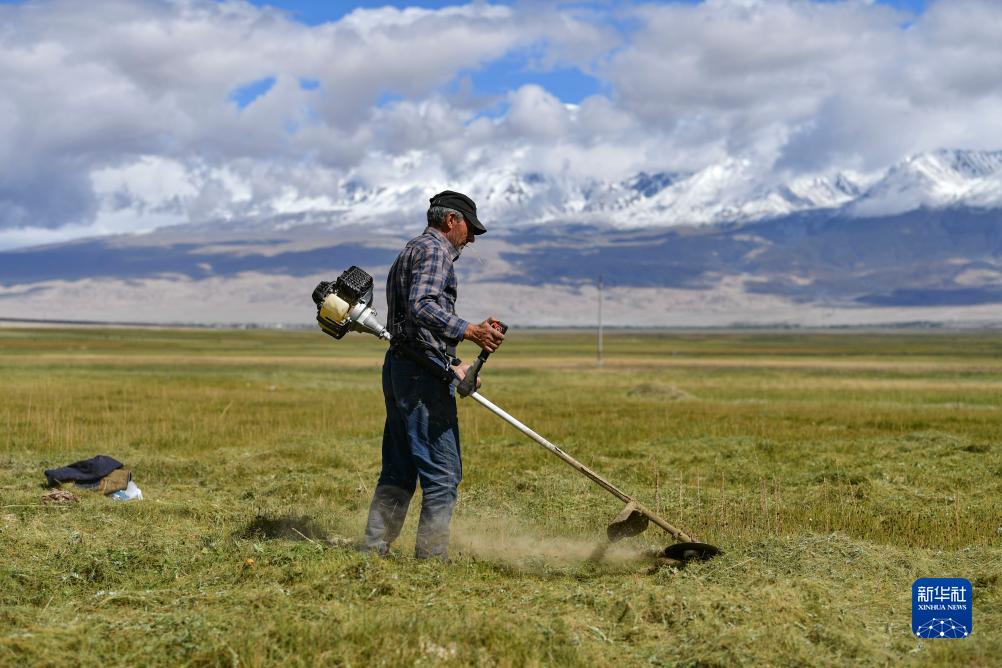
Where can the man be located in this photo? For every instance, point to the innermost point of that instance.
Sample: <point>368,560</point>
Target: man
<point>421,435</point>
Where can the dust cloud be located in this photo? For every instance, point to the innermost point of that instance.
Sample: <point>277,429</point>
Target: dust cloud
<point>507,542</point>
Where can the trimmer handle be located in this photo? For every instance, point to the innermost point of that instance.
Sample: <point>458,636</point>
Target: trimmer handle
<point>469,382</point>
<point>499,326</point>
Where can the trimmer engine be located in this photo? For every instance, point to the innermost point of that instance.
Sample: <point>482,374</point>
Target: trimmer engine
<point>345,305</point>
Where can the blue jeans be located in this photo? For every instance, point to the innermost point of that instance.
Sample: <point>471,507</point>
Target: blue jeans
<point>420,443</point>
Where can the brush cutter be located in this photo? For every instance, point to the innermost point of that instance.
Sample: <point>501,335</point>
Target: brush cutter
<point>345,305</point>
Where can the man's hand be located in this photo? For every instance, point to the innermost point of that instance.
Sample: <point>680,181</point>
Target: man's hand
<point>461,369</point>
<point>484,335</point>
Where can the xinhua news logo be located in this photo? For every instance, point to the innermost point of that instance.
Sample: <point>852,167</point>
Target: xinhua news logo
<point>941,608</point>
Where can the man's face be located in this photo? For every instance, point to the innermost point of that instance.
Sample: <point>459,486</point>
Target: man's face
<point>460,232</point>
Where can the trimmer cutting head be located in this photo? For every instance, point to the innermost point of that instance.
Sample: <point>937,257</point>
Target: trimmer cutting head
<point>632,521</point>
<point>691,551</point>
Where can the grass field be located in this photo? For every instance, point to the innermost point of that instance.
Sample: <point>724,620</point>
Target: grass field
<point>834,469</point>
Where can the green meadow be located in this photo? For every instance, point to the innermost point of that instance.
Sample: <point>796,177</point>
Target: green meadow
<point>832,468</point>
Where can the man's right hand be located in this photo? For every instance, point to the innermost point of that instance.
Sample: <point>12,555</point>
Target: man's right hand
<point>484,335</point>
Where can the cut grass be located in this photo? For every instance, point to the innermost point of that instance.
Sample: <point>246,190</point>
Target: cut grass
<point>834,469</point>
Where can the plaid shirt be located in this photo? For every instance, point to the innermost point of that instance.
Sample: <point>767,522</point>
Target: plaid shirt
<point>421,296</point>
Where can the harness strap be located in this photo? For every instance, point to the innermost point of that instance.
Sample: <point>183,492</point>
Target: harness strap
<point>444,375</point>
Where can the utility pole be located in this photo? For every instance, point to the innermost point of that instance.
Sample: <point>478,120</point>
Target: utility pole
<point>599,320</point>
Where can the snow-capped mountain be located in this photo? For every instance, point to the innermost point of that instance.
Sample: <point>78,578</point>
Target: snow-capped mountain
<point>936,180</point>
<point>921,241</point>
<point>727,192</point>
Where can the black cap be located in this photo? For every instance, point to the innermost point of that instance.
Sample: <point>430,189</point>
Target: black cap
<point>450,199</point>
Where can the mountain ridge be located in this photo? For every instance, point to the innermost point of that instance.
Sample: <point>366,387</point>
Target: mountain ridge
<point>730,191</point>
<point>832,265</point>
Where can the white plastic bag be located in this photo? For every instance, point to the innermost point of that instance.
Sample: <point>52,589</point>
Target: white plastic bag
<point>130,493</point>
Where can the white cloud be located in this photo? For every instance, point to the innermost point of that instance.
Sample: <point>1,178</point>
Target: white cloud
<point>117,114</point>
<point>536,114</point>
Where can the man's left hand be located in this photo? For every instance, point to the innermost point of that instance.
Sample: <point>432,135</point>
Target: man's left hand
<point>460,371</point>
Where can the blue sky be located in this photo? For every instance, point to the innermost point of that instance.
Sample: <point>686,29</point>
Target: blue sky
<point>123,115</point>
<point>320,11</point>
<point>569,84</point>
